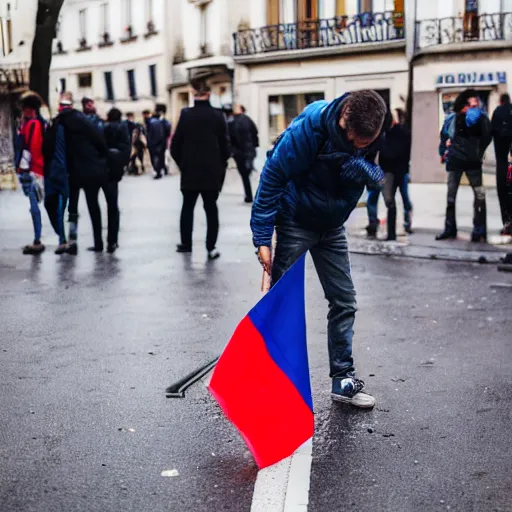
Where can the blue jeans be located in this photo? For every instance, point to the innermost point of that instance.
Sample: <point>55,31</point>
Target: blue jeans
<point>372,203</point>
<point>330,256</point>
<point>32,190</point>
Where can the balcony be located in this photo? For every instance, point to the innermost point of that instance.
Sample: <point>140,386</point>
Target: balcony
<point>471,28</point>
<point>341,31</point>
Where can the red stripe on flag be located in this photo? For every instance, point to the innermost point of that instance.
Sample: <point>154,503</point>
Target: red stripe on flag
<point>257,396</point>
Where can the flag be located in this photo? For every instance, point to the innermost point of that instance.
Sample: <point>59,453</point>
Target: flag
<point>261,381</point>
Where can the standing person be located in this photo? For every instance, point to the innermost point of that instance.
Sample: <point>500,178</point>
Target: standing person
<point>502,133</point>
<point>200,149</point>
<point>161,110</point>
<point>30,163</point>
<point>157,136</point>
<point>394,158</point>
<point>87,155</point>
<point>138,144</point>
<point>243,135</point>
<point>464,139</point>
<point>56,179</point>
<point>89,109</point>
<point>311,182</point>
<point>118,143</point>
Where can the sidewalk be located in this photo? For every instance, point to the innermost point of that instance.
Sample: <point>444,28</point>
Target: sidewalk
<point>428,220</point>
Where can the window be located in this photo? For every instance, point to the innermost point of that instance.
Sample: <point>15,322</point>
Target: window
<point>132,90</point>
<point>204,28</point>
<point>82,21</point>
<point>149,10</point>
<point>365,6</point>
<point>273,14</point>
<point>62,85</point>
<point>471,29</point>
<point>105,18</point>
<point>127,14</point>
<point>84,80</point>
<point>341,9</point>
<point>152,80</point>
<point>109,87</point>
<point>9,29</point>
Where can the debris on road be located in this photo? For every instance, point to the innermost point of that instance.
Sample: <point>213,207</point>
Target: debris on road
<point>170,473</point>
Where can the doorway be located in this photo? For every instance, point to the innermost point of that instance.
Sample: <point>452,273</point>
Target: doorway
<point>307,23</point>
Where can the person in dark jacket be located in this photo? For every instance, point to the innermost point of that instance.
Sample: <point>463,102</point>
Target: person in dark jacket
<point>502,134</point>
<point>89,110</point>
<point>463,146</point>
<point>243,136</point>
<point>118,143</point>
<point>138,142</point>
<point>158,133</point>
<point>56,179</point>
<point>394,158</point>
<point>87,155</point>
<point>200,149</point>
<point>311,183</point>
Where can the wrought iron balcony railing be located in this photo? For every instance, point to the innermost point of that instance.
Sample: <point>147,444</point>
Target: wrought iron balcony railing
<point>323,33</point>
<point>468,28</point>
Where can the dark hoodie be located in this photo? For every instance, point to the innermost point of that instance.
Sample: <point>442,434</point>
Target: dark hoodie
<point>313,176</point>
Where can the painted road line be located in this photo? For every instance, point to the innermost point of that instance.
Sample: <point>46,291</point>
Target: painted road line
<point>284,487</point>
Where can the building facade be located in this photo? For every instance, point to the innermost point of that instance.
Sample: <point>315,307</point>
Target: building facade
<point>456,44</point>
<point>203,47</point>
<point>293,52</point>
<point>115,51</point>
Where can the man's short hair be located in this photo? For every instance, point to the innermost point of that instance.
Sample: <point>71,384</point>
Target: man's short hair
<point>200,87</point>
<point>31,99</point>
<point>243,109</point>
<point>114,115</point>
<point>505,99</point>
<point>129,114</point>
<point>161,108</point>
<point>86,100</point>
<point>146,112</point>
<point>364,113</point>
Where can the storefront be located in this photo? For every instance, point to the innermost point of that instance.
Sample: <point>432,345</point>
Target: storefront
<point>275,93</point>
<point>438,79</point>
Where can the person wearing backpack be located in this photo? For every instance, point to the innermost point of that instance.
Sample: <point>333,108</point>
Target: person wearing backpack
<point>30,163</point>
<point>502,134</point>
<point>463,140</point>
<point>157,134</point>
<point>118,142</point>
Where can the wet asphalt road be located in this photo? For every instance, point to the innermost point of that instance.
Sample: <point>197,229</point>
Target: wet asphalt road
<point>89,345</point>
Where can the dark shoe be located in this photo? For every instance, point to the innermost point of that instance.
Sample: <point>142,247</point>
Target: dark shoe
<point>371,231</point>
<point>34,249</point>
<point>446,235</point>
<point>95,249</point>
<point>183,249</point>
<point>112,248</point>
<point>248,200</point>
<point>213,255</point>
<point>72,249</point>
<point>391,239</point>
<point>408,230</point>
<point>158,177</point>
<point>62,249</point>
<point>479,239</point>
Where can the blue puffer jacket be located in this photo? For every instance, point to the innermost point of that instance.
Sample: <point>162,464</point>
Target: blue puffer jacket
<point>313,176</point>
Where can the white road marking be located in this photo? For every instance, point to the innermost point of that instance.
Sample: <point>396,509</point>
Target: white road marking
<point>284,487</point>
<point>170,473</point>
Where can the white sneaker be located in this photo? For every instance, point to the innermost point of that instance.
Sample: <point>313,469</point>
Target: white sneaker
<point>349,390</point>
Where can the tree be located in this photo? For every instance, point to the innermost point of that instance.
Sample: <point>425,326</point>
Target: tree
<point>46,23</point>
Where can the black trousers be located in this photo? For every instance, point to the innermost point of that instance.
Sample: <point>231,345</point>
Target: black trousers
<point>111,191</point>
<point>212,216</point>
<point>391,185</point>
<point>502,148</point>
<point>479,206</point>
<point>55,205</point>
<point>244,164</point>
<point>158,159</point>
<point>74,196</point>
<point>132,164</point>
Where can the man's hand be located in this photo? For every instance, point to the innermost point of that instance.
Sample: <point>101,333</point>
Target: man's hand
<point>265,258</point>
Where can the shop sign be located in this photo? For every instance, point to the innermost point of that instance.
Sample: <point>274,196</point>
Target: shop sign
<point>475,78</point>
